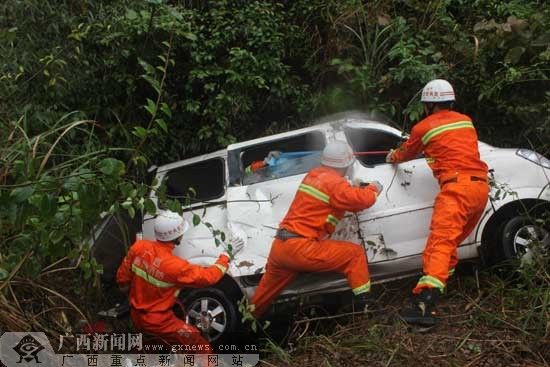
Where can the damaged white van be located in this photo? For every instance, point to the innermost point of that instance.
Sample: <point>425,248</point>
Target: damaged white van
<point>393,231</point>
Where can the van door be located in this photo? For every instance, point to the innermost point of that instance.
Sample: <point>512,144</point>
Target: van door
<point>396,227</point>
<point>258,200</point>
<point>199,184</point>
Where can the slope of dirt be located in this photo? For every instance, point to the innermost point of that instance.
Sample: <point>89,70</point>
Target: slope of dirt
<point>478,326</point>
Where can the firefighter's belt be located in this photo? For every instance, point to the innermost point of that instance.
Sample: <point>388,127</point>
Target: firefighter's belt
<point>284,235</point>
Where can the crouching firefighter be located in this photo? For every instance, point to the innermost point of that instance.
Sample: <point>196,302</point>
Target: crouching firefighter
<point>449,142</point>
<point>152,276</point>
<point>301,243</point>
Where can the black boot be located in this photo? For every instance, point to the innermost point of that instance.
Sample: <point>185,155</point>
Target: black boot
<point>421,311</point>
<point>363,302</point>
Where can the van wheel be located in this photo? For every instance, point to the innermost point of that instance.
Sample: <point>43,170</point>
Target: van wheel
<point>212,312</point>
<point>521,238</point>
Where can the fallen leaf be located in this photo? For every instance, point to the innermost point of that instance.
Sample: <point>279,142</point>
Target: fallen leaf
<point>245,263</point>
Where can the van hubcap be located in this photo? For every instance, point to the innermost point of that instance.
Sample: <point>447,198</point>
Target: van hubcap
<point>529,239</point>
<point>209,316</point>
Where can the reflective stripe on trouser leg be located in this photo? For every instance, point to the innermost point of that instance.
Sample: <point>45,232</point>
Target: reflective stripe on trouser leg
<point>344,257</point>
<point>446,227</point>
<point>307,255</point>
<point>427,281</point>
<point>361,289</point>
<point>457,209</point>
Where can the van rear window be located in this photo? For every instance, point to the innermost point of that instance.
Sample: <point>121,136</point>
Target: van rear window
<point>198,181</point>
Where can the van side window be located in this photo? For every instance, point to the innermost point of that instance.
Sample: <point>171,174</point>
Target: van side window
<point>197,181</point>
<point>295,155</point>
<point>368,140</point>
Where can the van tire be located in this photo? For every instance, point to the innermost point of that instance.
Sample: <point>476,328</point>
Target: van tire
<point>516,235</point>
<point>216,309</point>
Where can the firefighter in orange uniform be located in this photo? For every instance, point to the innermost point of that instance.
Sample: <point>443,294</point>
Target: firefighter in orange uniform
<point>449,142</point>
<point>153,277</point>
<point>302,241</point>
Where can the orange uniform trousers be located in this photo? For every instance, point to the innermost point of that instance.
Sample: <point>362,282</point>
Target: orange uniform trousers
<point>171,331</point>
<point>297,255</point>
<point>457,209</point>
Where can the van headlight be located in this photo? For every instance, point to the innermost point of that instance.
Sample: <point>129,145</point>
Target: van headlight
<point>534,157</point>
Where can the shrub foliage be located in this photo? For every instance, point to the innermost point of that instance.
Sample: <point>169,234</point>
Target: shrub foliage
<point>94,91</point>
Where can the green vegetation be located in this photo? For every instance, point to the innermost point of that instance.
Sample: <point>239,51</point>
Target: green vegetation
<point>92,92</point>
<point>483,321</point>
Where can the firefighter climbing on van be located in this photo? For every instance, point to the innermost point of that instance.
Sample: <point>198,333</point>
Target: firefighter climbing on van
<point>302,242</point>
<point>449,142</point>
<point>152,276</point>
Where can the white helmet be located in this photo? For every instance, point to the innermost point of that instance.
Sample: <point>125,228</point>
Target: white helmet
<point>337,154</point>
<point>438,90</point>
<point>169,226</point>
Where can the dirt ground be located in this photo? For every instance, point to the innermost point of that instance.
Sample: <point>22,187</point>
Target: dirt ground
<point>478,326</point>
<point>484,320</point>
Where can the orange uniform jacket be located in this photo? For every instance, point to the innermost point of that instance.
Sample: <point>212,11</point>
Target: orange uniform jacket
<point>321,202</point>
<point>155,275</point>
<point>449,142</point>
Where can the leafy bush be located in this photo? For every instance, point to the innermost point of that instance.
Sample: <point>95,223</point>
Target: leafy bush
<point>48,212</point>
<point>162,80</point>
<point>228,74</point>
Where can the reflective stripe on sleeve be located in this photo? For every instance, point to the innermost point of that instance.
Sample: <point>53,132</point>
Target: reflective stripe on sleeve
<point>333,220</point>
<point>361,289</point>
<point>441,129</point>
<point>312,191</point>
<point>150,279</point>
<point>430,282</point>
<point>222,268</point>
